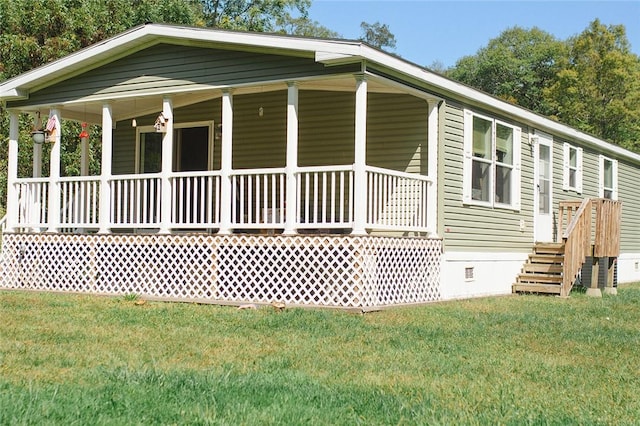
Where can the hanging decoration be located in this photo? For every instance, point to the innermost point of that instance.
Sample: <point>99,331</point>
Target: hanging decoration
<point>37,134</point>
<point>84,134</point>
<point>161,123</point>
<point>53,127</point>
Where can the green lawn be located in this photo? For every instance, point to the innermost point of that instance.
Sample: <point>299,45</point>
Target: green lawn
<point>67,359</point>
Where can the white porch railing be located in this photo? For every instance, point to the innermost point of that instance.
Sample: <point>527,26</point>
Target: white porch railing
<point>397,201</point>
<point>79,201</point>
<point>135,201</point>
<point>195,199</point>
<point>325,197</point>
<point>258,198</point>
<point>33,196</point>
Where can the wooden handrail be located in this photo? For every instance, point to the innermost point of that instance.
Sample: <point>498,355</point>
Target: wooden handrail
<point>577,239</point>
<point>581,240</point>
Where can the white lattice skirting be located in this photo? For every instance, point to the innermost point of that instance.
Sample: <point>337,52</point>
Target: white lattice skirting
<point>342,271</point>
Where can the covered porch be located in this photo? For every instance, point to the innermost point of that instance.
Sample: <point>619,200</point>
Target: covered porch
<point>268,158</point>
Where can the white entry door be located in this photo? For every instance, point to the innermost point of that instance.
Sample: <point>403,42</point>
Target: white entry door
<point>543,188</point>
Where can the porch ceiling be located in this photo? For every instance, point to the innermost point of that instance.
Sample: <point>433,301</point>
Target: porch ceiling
<point>141,104</point>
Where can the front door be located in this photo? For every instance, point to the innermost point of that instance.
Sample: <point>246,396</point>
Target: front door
<point>543,188</point>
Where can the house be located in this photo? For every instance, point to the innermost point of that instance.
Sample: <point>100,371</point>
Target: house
<point>241,167</point>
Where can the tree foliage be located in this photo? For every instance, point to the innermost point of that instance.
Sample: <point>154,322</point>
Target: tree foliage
<point>516,66</point>
<point>598,87</point>
<point>590,81</point>
<point>254,15</point>
<point>378,35</point>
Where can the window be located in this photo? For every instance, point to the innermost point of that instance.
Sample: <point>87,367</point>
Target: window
<point>572,168</point>
<point>608,187</point>
<point>192,148</point>
<point>150,152</point>
<point>491,162</point>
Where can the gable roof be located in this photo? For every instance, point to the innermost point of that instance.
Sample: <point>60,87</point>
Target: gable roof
<point>325,51</point>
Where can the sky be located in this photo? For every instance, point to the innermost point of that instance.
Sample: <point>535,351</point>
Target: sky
<point>431,31</point>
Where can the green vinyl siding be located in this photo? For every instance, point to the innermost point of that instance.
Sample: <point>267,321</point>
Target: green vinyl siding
<point>479,228</point>
<point>326,127</point>
<point>179,68</point>
<point>396,128</point>
<point>260,142</point>
<point>397,132</point>
<point>628,193</point>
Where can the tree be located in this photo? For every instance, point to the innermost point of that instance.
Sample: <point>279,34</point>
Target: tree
<point>598,88</point>
<point>35,32</point>
<point>377,35</point>
<point>517,66</point>
<point>307,28</point>
<point>253,15</point>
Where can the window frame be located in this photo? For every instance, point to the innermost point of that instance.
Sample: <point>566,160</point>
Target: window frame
<point>468,161</point>
<point>567,168</point>
<point>614,177</point>
<point>176,140</point>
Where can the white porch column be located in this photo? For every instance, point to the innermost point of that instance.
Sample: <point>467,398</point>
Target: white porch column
<point>360,160</point>
<point>292,160</point>
<point>432,144</point>
<point>227,204</point>
<point>12,173</point>
<point>167,165</point>
<point>54,177</point>
<point>105,169</point>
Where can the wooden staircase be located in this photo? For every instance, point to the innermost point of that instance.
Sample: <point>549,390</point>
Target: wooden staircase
<point>553,268</point>
<point>542,273</point>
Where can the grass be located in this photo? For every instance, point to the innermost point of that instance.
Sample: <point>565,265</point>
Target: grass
<point>67,359</point>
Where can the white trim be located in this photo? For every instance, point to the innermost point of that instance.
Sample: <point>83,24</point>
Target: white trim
<point>12,172</point>
<point>566,168</point>
<point>167,166</point>
<point>54,174</point>
<point>542,234</point>
<point>360,158</point>
<point>291,159</point>
<point>182,125</point>
<point>226,160</point>
<point>579,173</point>
<point>468,159</point>
<point>433,140</point>
<point>105,175</point>
<point>614,177</point>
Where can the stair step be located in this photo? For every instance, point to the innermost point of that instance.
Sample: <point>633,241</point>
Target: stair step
<point>549,248</point>
<point>546,258</point>
<point>545,268</point>
<point>536,288</point>
<point>540,278</point>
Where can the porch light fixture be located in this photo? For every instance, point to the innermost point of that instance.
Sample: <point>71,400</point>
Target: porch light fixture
<point>37,134</point>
